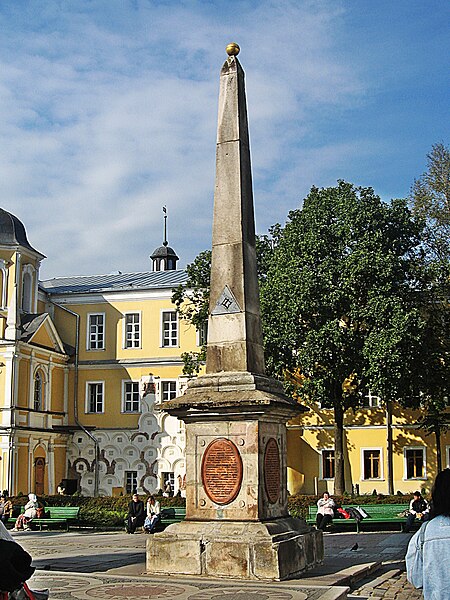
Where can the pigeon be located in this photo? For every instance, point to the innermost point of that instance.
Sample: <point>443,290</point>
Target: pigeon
<point>355,547</point>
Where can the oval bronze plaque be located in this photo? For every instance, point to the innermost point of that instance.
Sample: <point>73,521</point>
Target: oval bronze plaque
<point>222,471</point>
<point>272,470</point>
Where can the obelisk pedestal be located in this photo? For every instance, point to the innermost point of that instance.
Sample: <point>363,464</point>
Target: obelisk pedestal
<point>237,522</point>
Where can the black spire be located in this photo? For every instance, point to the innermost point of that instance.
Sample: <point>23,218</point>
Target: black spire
<point>164,258</point>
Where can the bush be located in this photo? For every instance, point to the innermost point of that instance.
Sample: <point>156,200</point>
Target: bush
<point>104,511</point>
<point>298,504</point>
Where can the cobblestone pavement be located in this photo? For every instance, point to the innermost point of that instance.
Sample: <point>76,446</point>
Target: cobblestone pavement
<point>393,587</point>
<point>83,565</point>
<point>67,586</point>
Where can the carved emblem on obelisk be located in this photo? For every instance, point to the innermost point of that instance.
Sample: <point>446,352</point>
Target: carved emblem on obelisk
<point>226,304</point>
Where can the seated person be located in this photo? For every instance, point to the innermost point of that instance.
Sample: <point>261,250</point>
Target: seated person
<point>30,512</point>
<point>153,515</point>
<point>6,508</point>
<point>418,509</point>
<point>325,511</point>
<point>136,514</point>
<point>15,562</point>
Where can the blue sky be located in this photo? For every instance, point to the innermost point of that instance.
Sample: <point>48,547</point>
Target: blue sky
<point>108,112</point>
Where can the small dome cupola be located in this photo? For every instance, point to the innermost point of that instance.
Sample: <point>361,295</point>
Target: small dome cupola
<point>12,232</point>
<point>164,258</point>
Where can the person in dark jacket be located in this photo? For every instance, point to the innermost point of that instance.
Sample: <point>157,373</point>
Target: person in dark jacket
<point>418,509</point>
<point>136,514</point>
<point>15,563</point>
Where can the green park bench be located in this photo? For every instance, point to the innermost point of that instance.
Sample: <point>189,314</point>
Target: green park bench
<point>379,514</point>
<point>171,514</point>
<point>54,515</point>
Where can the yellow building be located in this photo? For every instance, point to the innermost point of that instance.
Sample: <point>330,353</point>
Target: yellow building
<point>84,360</point>
<point>368,434</point>
<point>87,362</point>
<point>34,371</point>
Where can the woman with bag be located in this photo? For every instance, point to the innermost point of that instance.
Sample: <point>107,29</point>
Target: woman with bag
<point>153,515</point>
<point>30,512</point>
<point>428,555</point>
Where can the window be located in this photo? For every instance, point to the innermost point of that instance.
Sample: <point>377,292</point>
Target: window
<point>38,391</point>
<point>4,283</point>
<point>415,463</point>
<point>168,482</point>
<point>96,332</point>
<point>168,390</point>
<point>131,397</point>
<point>202,334</point>
<point>372,464</point>
<point>371,401</point>
<point>327,464</point>
<point>169,329</point>
<point>27,288</point>
<point>94,397</point>
<point>130,482</point>
<point>132,330</point>
<point>448,456</point>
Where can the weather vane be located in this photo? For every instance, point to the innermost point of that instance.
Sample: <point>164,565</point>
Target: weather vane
<point>165,225</point>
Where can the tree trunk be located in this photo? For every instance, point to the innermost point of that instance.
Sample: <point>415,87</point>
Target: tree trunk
<point>437,433</point>
<point>339,478</point>
<point>390,468</point>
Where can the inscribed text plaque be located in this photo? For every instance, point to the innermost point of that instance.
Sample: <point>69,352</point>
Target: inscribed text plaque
<point>272,479</point>
<point>221,471</point>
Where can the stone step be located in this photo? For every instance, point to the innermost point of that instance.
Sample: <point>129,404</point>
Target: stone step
<point>348,576</point>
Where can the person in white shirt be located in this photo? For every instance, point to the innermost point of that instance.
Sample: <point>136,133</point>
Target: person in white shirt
<point>153,515</point>
<point>325,511</point>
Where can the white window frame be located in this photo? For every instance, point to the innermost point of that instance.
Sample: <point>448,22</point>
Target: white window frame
<point>39,373</point>
<point>321,469</point>
<point>124,400</point>
<point>139,336</point>
<point>405,464</point>
<point>203,332</point>
<point>368,449</point>
<point>87,405</point>
<point>4,283</point>
<point>162,330</point>
<point>134,477</point>
<point>28,271</point>
<point>166,381</point>
<point>447,456</point>
<point>88,331</point>
<point>372,397</point>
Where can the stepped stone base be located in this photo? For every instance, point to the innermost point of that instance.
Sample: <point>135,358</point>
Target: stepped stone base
<point>271,550</point>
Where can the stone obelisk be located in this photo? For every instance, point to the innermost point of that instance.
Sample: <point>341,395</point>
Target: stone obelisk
<point>237,523</point>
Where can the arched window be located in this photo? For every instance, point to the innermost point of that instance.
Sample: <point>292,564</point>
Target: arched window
<point>3,283</point>
<point>27,288</point>
<point>38,391</point>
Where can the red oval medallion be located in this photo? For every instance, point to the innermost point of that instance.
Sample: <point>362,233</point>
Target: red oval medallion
<point>272,478</point>
<point>222,471</point>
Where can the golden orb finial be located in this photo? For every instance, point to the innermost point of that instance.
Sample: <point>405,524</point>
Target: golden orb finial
<point>233,49</point>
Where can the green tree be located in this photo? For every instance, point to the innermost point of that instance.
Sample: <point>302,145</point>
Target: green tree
<point>430,201</point>
<point>192,299</point>
<point>340,303</point>
<point>192,302</point>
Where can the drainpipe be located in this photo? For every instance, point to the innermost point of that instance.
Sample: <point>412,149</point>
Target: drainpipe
<point>75,401</point>
<point>11,487</point>
<point>15,300</point>
<point>390,448</point>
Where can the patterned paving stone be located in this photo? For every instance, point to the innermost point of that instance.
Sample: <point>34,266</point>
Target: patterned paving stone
<point>65,586</point>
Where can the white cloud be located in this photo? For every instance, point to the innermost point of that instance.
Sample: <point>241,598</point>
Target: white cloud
<point>108,113</point>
